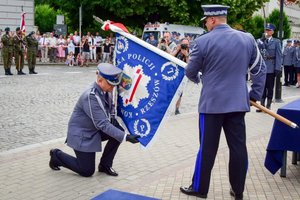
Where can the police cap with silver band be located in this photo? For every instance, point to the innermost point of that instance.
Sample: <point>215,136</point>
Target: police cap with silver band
<point>112,74</point>
<point>270,26</point>
<point>214,10</point>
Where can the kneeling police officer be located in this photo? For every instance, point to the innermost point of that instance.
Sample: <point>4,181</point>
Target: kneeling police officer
<point>90,124</point>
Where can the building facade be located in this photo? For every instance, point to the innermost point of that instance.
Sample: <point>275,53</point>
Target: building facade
<point>10,14</point>
<point>292,10</point>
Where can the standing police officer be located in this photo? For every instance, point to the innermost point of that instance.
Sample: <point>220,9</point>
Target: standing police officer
<point>19,51</point>
<point>270,48</point>
<point>32,47</point>
<point>7,50</point>
<point>288,54</point>
<point>223,56</point>
<point>90,124</point>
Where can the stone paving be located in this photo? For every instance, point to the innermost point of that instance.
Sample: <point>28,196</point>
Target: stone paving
<point>34,112</point>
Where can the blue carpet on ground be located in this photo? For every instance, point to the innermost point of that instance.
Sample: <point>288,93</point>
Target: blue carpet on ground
<point>119,195</point>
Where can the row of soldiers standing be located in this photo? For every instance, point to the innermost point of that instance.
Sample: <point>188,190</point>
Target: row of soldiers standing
<point>14,46</point>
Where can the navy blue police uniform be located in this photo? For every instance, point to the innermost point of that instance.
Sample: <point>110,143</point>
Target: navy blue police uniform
<point>223,56</point>
<point>287,61</point>
<point>271,51</point>
<point>89,125</point>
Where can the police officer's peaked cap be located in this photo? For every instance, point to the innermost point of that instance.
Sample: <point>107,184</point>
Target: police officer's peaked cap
<point>18,28</point>
<point>289,41</point>
<point>270,26</point>
<point>7,29</point>
<point>214,10</point>
<point>112,74</point>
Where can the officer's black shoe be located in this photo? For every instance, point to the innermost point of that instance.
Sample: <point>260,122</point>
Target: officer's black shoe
<point>8,72</point>
<point>52,163</point>
<point>286,84</point>
<point>236,196</point>
<point>107,170</point>
<point>21,72</point>
<point>258,110</point>
<point>32,72</point>
<point>190,191</point>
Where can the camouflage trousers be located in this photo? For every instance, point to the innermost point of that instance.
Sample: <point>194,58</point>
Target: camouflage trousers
<point>31,59</point>
<point>19,60</point>
<point>7,57</point>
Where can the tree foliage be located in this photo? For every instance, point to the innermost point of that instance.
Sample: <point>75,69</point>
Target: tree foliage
<point>45,17</point>
<point>274,19</point>
<point>255,26</point>
<point>136,13</point>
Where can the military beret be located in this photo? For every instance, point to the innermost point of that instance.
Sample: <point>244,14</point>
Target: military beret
<point>18,28</point>
<point>214,10</point>
<point>31,33</point>
<point>270,26</point>
<point>7,29</point>
<point>112,74</point>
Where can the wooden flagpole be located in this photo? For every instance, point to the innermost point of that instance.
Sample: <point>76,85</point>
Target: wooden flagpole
<point>275,115</point>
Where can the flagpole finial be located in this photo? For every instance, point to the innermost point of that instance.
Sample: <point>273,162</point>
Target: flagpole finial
<point>98,19</point>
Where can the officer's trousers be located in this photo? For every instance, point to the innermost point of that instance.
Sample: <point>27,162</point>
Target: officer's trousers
<point>210,126</point>
<point>269,86</point>
<point>84,163</point>
<point>7,56</point>
<point>19,60</point>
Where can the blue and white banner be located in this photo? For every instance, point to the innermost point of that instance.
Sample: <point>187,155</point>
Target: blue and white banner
<point>148,87</point>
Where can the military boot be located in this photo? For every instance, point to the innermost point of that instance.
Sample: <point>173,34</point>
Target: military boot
<point>6,72</point>
<point>269,101</point>
<point>262,102</point>
<point>9,72</point>
<point>21,72</point>
<point>32,71</point>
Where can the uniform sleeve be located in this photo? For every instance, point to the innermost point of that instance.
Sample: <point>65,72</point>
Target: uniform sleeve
<point>100,120</point>
<point>194,65</point>
<point>278,56</point>
<point>257,73</point>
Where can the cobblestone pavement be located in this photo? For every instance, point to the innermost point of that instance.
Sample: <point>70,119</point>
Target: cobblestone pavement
<point>34,112</point>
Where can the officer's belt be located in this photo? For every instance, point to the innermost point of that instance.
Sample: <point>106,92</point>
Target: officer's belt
<point>270,58</point>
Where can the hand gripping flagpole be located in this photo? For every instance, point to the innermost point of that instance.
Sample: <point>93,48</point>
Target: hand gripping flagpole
<point>275,115</point>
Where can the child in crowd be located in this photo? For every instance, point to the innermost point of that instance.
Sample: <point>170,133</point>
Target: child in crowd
<point>70,59</point>
<point>78,60</point>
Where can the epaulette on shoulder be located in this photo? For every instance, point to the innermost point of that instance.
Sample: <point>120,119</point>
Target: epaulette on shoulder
<point>93,91</point>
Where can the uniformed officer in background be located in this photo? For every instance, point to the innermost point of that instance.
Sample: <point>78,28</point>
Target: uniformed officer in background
<point>19,51</point>
<point>270,48</point>
<point>7,51</point>
<point>287,61</point>
<point>90,124</point>
<point>223,56</point>
<point>32,47</point>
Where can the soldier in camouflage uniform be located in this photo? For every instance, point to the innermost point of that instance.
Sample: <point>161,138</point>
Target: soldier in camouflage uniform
<point>7,51</point>
<point>32,46</point>
<point>19,51</point>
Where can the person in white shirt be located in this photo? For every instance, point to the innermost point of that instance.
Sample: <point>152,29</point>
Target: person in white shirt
<point>76,39</point>
<point>99,42</point>
<point>44,43</point>
<point>52,47</point>
<point>92,43</point>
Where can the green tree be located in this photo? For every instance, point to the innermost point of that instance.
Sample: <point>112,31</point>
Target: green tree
<point>274,19</point>
<point>45,17</point>
<point>136,13</point>
<point>255,26</point>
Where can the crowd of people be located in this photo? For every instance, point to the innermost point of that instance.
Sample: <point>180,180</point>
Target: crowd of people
<point>73,50</point>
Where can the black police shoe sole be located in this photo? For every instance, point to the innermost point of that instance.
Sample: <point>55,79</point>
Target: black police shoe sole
<point>236,196</point>
<point>51,162</point>
<point>190,191</point>
<point>107,170</point>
